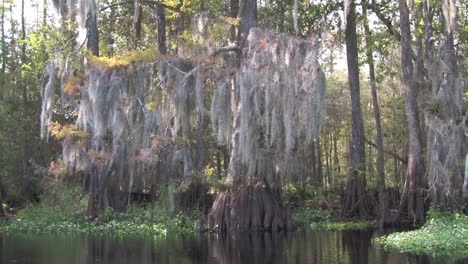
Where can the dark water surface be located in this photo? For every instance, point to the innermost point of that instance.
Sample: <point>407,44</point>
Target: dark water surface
<point>298,247</point>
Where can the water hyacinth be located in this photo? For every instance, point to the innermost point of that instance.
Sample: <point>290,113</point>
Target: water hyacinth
<point>443,234</point>
<point>137,222</point>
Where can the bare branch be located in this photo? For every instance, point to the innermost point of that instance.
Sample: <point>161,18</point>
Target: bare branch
<point>226,49</point>
<point>391,153</point>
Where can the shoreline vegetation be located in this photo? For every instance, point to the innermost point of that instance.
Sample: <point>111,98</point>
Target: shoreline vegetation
<point>443,234</point>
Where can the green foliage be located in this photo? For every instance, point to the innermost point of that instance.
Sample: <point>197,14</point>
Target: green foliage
<point>309,197</point>
<point>321,219</point>
<point>346,225</point>
<point>443,234</point>
<point>67,217</point>
<point>305,216</point>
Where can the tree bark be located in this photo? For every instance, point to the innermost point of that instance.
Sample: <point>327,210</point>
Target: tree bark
<point>355,201</point>
<point>4,55</point>
<point>137,19</point>
<point>336,161</point>
<point>161,22</point>
<point>465,185</point>
<point>25,153</point>
<point>378,127</point>
<point>412,201</point>
<point>248,18</point>
<point>445,136</point>
<point>233,12</point>
<point>319,163</point>
<point>313,163</point>
<point>328,163</point>
<point>2,213</point>
<point>92,29</point>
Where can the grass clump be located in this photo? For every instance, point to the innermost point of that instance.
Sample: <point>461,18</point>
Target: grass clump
<point>321,219</point>
<point>443,234</point>
<point>67,217</point>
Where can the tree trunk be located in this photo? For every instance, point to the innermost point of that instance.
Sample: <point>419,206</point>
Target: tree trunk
<point>181,21</point>
<point>137,19</point>
<point>319,163</point>
<point>383,201</point>
<point>2,212</point>
<point>25,155</point>
<point>161,22</point>
<point>44,15</point>
<point>202,5</point>
<point>91,211</point>
<point>92,29</point>
<point>248,19</point>
<point>328,163</point>
<point>465,185</point>
<point>249,205</point>
<point>233,12</point>
<point>336,161</point>
<point>445,135</point>
<point>4,56</point>
<point>355,201</point>
<point>412,200</point>
<point>313,164</point>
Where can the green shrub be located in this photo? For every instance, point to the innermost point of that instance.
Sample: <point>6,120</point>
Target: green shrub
<point>443,234</point>
<point>321,219</point>
<point>305,216</point>
<point>346,225</point>
<point>67,217</point>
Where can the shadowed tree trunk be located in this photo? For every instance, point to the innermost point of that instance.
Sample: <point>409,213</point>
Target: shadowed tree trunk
<point>24,83</point>
<point>233,12</point>
<point>355,201</point>
<point>319,163</point>
<point>137,19</point>
<point>92,29</point>
<point>412,200</point>
<point>336,161</point>
<point>313,164</point>
<point>465,185</point>
<point>2,213</point>
<point>248,18</point>
<point>4,55</point>
<point>92,45</point>
<point>161,23</point>
<point>383,201</point>
<point>444,116</point>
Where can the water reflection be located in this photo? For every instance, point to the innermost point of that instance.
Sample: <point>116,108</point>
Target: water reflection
<point>298,247</point>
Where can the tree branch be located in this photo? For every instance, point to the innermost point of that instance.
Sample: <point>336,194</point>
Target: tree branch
<point>225,49</point>
<point>391,29</point>
<point>391,153</point>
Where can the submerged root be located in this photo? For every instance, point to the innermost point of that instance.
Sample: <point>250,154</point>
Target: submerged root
<point>248,208</point>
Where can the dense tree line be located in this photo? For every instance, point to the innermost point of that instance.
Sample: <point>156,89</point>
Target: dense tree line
<point>394,134</point>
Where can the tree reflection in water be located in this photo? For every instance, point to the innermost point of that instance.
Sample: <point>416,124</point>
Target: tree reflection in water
<point>297,247</point>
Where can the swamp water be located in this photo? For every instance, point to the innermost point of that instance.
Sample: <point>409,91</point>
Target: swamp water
<point>327,247</point>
